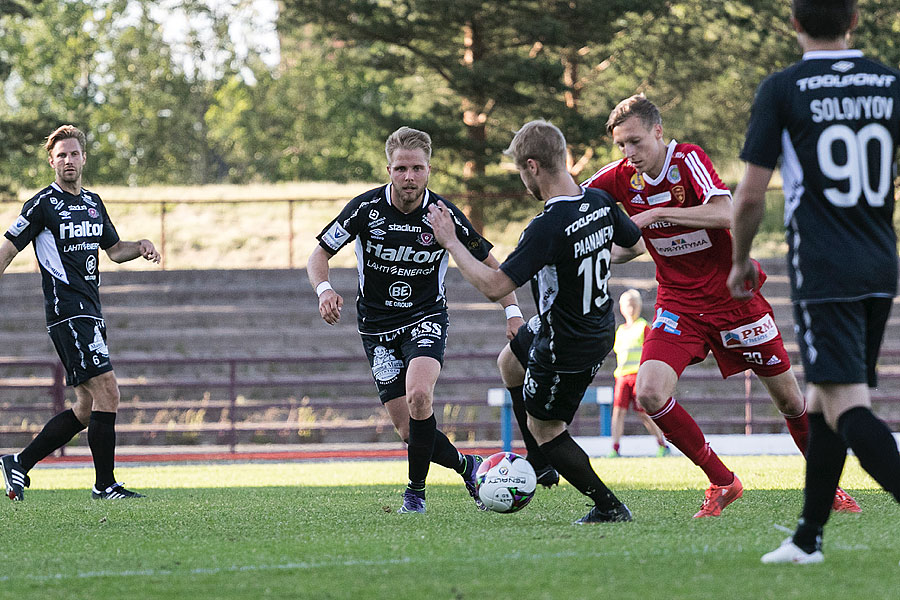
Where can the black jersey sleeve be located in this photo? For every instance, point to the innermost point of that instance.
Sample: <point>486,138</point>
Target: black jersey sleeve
<point>536,248</point>
<point>477,245</point>
<point>28,224</point>
<point>762,146</point>
<point>342,229</point>
<point>110,236</point>
<point>625,232</point>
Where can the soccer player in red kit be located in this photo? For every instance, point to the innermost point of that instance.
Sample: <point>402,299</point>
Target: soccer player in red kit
<point>673,193</point>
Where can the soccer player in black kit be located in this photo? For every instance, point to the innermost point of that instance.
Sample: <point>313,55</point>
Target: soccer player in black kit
<point>567,249</point>
<point>834,118</point>
<point>68,225</point>
<point>401,302</point>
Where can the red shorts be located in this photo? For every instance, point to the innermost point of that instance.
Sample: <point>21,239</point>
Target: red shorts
<point>623,393</point>
<point>740,339</point>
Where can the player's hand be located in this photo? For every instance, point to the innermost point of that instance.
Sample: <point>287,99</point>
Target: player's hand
<point>330,305</point>
<point>646,218</point>
<point>442,224</point>
<point>148,251</point>
<point>743,280</point>
<point>512,326</point>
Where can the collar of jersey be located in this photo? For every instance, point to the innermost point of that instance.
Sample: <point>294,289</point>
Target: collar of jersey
<point>831,54</point>
<point>387,198</point>
<point>662,173</point>
<point>59,189</point>
<point>556,199</point>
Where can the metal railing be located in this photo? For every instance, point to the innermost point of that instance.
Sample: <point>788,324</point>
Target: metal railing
<point>228,376</point>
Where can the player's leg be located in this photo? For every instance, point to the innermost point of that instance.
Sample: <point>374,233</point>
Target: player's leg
<point>512,362</point>
<point>652,429</point>
<point>421,376</point>
<point>102,392</point>
<point>552,399</point>
<point>623,393</point>
<point>655,385</point>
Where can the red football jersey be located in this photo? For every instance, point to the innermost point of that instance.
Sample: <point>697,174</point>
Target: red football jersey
<point>692,265</point>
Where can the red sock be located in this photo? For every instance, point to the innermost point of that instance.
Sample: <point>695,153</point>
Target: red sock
<point>684,433</point>
<point>798,427</point>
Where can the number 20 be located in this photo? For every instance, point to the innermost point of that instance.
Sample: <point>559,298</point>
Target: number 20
<point>856,168</point>
<point>595,273</point>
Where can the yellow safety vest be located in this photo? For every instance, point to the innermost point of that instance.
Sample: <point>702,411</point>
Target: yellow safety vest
<point>628,347</point>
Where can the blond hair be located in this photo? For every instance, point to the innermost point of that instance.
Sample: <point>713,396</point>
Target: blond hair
<point>407,138</point>
<point>631,296</point>
<point>541,141</point>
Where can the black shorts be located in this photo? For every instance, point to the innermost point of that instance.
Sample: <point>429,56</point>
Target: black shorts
<point>81,345</point>
<point>521,344</point>
<point>552,396</point>
<point>839,341</point>
<point>389,353</point>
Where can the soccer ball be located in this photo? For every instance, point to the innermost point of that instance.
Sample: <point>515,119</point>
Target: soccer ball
<point>505,482</point>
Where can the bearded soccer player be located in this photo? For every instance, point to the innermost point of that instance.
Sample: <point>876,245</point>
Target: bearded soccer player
<point>68,225</point>
<point>673,193</point>
<point>833,119</point>
<point>401,302</point>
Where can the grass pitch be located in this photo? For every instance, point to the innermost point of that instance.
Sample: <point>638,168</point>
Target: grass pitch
<point>330,530</point>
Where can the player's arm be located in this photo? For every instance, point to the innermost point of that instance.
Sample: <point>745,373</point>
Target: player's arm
<point>714,214</point>
<point>491,282</point>
<point>330,302</point>
<point>749,209</point>
<point>123,251</point>
<point>8,252</point>
<point>621,254</point>
<point>509,303</point>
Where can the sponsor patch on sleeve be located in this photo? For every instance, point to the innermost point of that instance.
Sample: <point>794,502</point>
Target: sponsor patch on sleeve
<point>335,237</point>
<point>18,226</point>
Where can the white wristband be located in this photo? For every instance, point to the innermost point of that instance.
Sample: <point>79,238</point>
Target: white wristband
<point>322,288</point>
<point>512,311</point>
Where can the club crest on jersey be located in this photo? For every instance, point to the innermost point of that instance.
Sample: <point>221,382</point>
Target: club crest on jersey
<point>673,175</point>
<point>678,193</point>
<point>92,213</point>
<point>752,334</point>
<point>637,182</point>
<point>425,238</point>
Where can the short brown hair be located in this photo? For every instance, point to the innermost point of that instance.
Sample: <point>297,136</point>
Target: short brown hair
<point>635,106</point>
<point>63,133</point>
<point>408,138</point>
<point>541,141</point>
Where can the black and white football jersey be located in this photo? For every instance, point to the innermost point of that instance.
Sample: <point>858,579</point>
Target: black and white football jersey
<point>67,232</point>
<point>566,249</point>
<point>401,266</point>
<point>834,119</point>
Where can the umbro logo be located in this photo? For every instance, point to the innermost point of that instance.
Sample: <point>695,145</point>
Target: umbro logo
<point>842,66</point>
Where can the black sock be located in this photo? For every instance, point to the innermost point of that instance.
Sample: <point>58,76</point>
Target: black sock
<point>56,433</point>
<point>825,455</point>
<point>102,440</point>
<point>535,454</point>
<point>874,446</point>
<point>446,454</point>
<point>570,460</point>
<point>420,449</point>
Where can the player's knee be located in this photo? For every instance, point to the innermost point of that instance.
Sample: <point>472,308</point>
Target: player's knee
<point>418,399</point>
<point>650,399</point>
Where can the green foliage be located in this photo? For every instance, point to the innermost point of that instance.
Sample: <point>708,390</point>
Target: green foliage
<point>329,530</point>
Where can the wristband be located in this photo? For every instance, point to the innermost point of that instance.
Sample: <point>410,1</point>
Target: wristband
<point>512,311</point>
<point>322,288</point>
